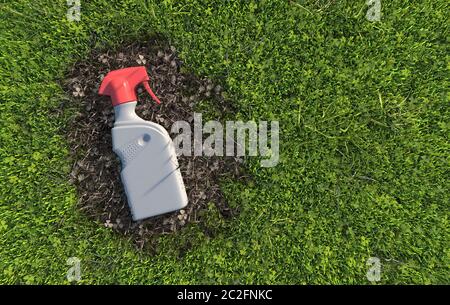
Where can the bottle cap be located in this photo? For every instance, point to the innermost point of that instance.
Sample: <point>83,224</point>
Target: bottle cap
<point>121,85</point>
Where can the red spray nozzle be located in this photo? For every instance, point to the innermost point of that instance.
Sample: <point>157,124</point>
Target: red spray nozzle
<point>121,84</point>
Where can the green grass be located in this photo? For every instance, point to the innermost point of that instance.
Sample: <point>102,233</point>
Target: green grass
<point>364,118</point>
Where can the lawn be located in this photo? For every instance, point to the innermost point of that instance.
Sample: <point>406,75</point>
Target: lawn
<point>364,151</point>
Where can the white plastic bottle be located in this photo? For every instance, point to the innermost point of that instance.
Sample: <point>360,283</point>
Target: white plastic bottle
<point>150,173</point>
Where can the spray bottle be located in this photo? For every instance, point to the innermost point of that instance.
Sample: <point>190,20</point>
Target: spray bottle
<point>150,173</point>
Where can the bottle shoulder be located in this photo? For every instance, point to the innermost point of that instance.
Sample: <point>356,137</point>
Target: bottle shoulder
<point>139,123</point>
<point>125,132</point>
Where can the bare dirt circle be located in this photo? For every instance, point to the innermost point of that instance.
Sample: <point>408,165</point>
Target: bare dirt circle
<point>96,169</point>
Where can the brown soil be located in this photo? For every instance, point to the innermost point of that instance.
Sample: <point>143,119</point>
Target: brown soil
<point>96,169</point>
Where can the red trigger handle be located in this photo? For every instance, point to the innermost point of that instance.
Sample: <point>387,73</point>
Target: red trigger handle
<point>149,90</point>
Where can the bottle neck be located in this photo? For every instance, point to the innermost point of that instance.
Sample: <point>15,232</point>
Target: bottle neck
<point>124,113</point>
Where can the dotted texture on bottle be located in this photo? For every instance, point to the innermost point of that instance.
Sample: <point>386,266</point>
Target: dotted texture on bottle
<point>130,151</point>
